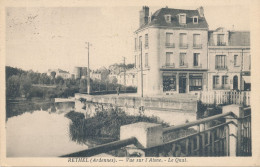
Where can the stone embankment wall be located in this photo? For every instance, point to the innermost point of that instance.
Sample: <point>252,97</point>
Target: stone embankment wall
<point>173,110</point>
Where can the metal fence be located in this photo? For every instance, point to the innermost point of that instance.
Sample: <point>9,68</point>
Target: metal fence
<point>225,97</point>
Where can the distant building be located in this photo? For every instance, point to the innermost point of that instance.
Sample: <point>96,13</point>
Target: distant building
<point>174,51</point>
<point>229,60</point>
<point>80,72</point>
<point>59,73</point>
<point>95,75</point>
<point>128,78</point>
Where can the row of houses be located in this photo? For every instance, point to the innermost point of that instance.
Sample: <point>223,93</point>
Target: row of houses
<point>120,76</point>
<point>181,55</point>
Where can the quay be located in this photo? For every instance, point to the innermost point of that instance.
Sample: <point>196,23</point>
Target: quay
<point>176,109</point>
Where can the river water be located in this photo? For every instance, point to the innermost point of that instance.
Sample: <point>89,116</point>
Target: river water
<point>40,130</point>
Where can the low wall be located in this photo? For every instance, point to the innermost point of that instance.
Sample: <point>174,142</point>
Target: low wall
<point>173,110</point>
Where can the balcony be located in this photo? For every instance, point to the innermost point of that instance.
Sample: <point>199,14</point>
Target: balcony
<point>197,46</point>
<point>197,66</point>
<point>183,45</point>
<point>220,67</point>
<point>169,65</point>
<point>169,45</point>
<point>221,43</point>
<point>185,65</point>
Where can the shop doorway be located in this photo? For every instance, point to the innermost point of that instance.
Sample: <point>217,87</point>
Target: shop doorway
<point>182,84</point>
<point>235,82</point>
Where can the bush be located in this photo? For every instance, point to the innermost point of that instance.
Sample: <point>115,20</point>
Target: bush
<point>104,123</point>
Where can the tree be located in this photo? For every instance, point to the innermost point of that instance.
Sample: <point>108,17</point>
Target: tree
<point>59,80</point>
<point>128,66</point>
<point>25,85</point>
<point>83,85</point>
<point>104,75</point>
<point>44,79</point>
<point>53,74</point>
<point>114,81</point>
<point>13,86</point>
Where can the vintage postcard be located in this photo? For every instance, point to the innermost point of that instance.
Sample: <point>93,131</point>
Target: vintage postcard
<point>129,83</point>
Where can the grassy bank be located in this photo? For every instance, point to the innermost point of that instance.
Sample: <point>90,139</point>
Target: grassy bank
<point>104,126</point>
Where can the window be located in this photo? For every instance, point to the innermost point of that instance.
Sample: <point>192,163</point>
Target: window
<point>195,83</point>
<point>182,18</point>
<point>146,41</point>
<point>196,59</point>
<point>168,18</point>
<point>195,20</point>
<point>169,39</point>
<point>197,41</point>
<point>146,60</point>
<point>236,60</point>
<point>140,42</point>
<point>169,59</point>
<point>139,61</point>
<point>183,40</point>
<point>224,80</point>
<point>169,82</point>
<point>220,40</point>
<point>220,62</point>
<point>135,61</point>
<point>182,59</point>
<point>215,81</point>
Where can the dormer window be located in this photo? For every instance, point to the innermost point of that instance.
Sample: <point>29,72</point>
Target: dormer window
<point>168,18</point>
<point>195,20</point>
<point>182,18</point>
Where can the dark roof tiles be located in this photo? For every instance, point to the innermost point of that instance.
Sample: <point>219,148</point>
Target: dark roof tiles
<point>157,19</point>
<point>236,38</point>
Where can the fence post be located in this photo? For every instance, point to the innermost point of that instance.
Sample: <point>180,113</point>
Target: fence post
<point>235,130</point>
<point>147,135</point>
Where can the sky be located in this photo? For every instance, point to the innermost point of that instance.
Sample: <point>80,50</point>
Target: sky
<point>41,38</point>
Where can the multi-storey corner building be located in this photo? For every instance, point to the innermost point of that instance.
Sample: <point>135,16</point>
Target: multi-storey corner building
<point>171,46</point>
<point>229,60</point>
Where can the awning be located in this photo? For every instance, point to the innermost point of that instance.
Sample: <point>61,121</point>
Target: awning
<point>247,79</point>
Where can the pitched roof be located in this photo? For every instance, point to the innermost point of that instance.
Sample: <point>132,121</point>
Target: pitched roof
<point>158,19</point>
<point>239,38</point>
<point>236,38</point>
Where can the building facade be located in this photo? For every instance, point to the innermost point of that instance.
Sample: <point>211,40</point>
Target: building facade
<point>171,51</point>
<point>59,73</point>
<point>80,72</point>
<point>229,60</point>
<point>127,78</point>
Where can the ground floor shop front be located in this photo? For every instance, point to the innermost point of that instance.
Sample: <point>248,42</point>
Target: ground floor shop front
<point>183,82</point>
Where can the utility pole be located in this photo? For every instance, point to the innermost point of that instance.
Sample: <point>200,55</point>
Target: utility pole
<point>124,72</point>
<point>241,70</point>
<point>142,86</point>
<point>88,72</point>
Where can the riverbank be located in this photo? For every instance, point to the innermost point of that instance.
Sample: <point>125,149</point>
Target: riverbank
<point>18,106</point>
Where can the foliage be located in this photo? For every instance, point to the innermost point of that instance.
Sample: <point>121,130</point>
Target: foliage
<point>105,123</point>
<point>13,86</point>
<point>33,84</point>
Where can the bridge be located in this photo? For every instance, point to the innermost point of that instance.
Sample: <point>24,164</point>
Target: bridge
<point>226,134</point>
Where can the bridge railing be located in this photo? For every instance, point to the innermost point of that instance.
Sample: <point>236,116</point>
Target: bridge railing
<point>226,134</point>
<point>205,137</point>
<point>103,148</point>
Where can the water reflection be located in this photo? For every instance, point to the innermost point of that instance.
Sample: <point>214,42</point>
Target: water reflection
<point>40,133</point>
<point>15,108</point>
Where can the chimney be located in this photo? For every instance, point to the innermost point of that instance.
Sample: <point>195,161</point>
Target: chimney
<point>201,11</point>
<point>144,15</point>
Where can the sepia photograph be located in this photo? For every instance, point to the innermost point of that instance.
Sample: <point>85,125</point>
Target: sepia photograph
<point>148,83</point>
